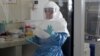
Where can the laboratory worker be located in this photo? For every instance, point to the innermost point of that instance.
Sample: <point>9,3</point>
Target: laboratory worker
<point>50,33</point>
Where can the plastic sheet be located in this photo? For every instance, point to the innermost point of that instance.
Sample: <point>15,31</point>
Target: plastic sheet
<point>50,46</point>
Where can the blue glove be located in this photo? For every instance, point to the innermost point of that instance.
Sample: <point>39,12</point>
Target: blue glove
<point>49,30</point>
<point>33,40</point>
<point>30,40</point>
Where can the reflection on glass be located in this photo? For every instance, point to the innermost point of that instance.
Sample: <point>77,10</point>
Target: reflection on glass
<point>92,21</point>
<point>92,27</point>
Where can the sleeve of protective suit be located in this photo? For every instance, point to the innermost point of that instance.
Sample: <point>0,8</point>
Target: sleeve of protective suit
<point>33,40</point>
<point>59,37</point>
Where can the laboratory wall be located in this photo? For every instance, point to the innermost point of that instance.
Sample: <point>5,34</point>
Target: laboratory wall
<point>15,11</point>
<point>38,12</point>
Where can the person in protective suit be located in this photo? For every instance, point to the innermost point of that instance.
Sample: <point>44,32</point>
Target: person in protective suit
<point>50,33</point>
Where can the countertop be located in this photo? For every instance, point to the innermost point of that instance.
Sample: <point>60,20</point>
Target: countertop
<point>14,42</point>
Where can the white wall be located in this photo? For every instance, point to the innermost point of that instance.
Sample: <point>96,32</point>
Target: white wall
<point>17,11</point>
<point>37,14</point>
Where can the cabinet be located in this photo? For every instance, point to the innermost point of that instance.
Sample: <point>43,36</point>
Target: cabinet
<point>97,49</point>
<point>16,48</point>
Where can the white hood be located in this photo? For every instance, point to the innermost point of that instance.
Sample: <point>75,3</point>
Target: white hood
<point>58,22</point>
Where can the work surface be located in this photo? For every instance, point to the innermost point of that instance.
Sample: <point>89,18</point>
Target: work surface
<point>14,42</point>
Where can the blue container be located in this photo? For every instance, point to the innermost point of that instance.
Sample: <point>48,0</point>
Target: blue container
<point>2,27</point>
<point>92,49</point>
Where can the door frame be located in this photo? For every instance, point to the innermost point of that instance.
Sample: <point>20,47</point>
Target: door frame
<point>79,22</point>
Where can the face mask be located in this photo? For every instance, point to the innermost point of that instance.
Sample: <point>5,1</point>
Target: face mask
<point>48,13</point>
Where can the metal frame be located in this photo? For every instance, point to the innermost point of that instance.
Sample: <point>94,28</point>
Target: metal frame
<point>79,22</point>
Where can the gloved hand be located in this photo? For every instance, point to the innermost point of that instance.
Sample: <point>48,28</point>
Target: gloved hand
<point>33,40</point>
<point>30,40</point>
<point>49,30</point>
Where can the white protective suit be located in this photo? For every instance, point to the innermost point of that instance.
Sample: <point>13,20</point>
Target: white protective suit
<point>58,23</point>
<point>50,42</point>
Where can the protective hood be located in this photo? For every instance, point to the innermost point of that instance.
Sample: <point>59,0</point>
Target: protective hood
<point>56,10</point>
<point>58,22</point>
